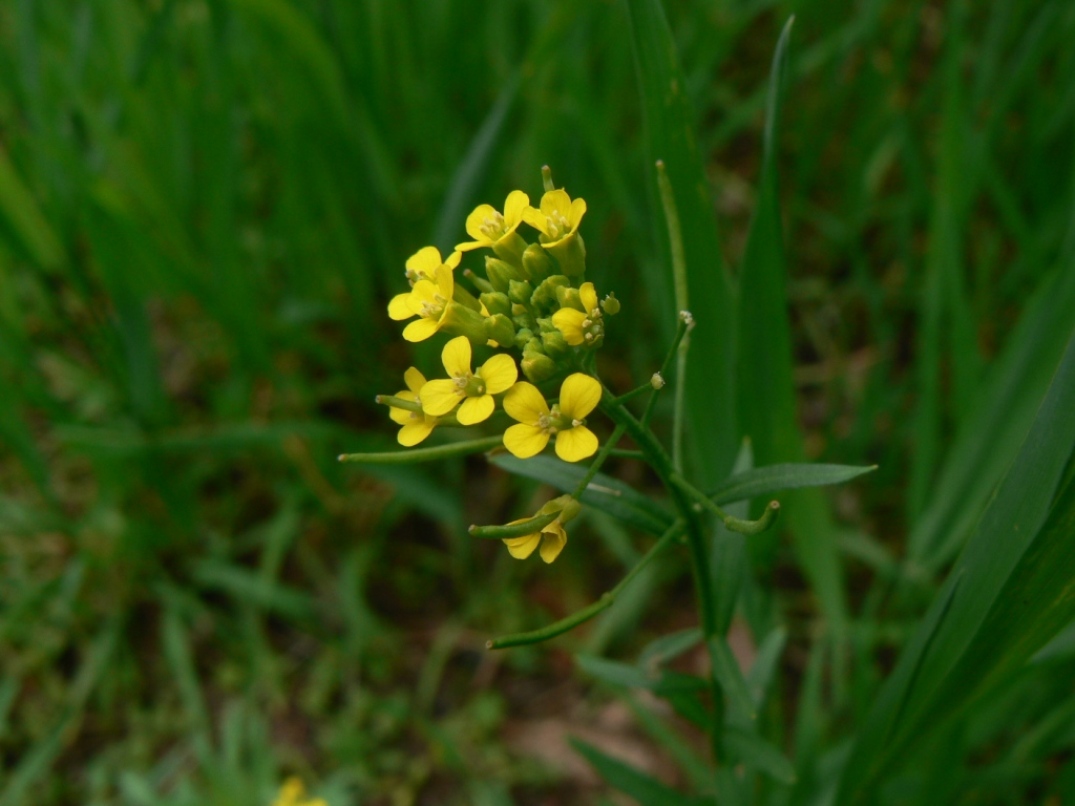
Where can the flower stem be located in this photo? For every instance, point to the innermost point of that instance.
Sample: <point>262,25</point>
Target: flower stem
<point>423,454</point>
<point>662,465</point>
<point>731,523</point>
<point>587,613</point>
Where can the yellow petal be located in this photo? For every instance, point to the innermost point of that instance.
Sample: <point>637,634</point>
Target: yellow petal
<point>553,540</point>
<point>522,547</point>
<point>420,329</point>
<point>525,441</point>
<point>424,291</point>
<point>536,219</point>
<point>576,212</point>
<point>456,357</point>
<point>425,261</point>
<point>524,403</point>
<point>453,259</point>
<point>440,397</point>
<point>403,416</point>
<point>445,282</point>
<point>569,322</point>
<point>413,433</point>
<point>499,373</point>
<point>399,307</point>
<point>475,410</point>
<point>415,380</point>
<point>588,295</point>
<point>579,395</point>
<point>514,205</point>
<point>556,201</point>
<point>576,444</point>
<point>475,221</point>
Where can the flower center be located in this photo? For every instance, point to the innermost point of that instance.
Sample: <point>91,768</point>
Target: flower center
<point>492,227</point>
<point>593,327</point>
<point>554,421</point>
<point>558,225</point>
<point>432,309</point>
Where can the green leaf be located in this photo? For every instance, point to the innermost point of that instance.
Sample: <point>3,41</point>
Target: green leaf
<point>670,136</point>
<point>644,788</point>
<point>727,671</point>
<point>774,478</point>
<point>605,493</point>
<point>755,752</point>
<point>766,392</point>
<point>1012,589</point>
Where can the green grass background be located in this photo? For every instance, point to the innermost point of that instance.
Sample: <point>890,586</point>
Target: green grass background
<point>204,207</point>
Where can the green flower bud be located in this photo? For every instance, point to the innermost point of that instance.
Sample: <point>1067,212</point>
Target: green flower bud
<point>537,265</point>
<point>570,253</point>
<point>569,298</point>
<point>610,305</point>
<point>496,302</point>
<point>522,337</point>
<point>535,345</point>
<point>520,291</point>
<point>554,344</point>
<point>499,328</point>
<point>537,367</point>
<point>500,274</point>
<point>544,297</point>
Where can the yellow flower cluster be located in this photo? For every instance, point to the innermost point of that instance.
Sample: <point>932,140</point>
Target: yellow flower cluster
<point>534,302</point>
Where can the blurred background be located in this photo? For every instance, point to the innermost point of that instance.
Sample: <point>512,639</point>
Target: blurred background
<point>204,208</point>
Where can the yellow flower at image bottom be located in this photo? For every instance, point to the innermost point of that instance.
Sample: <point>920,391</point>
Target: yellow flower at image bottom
<point>293,793</point>
<point>566,421</point>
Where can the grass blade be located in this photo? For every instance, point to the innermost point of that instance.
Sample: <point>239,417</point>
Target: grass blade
<point>710,402</point>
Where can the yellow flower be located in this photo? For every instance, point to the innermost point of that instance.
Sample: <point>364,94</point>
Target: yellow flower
<point>417,425</point>
<point>293,793</point>
<point>552,537</point>
<point>558,218</point>
<point>490,229</point>
<point>580,327</point>
<point>474,390</point>
<point>428,300</point>
<point>422,265</point>
<point>579,395</point>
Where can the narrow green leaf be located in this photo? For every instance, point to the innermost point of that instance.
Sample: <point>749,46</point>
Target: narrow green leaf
<point>670,137</point>
<point>641,786</point>
<point>605,493</point>
<point>614,672</point>
<point>726,668</point>
<point>755,752</point>
<point>24,220</point>
<point>766,392</point>
<point>764,481</point>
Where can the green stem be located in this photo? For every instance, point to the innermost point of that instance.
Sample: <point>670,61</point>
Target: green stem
<point>527,527</point>
<point>685,324</point>
<point>398,402</point>
<point>599,460</point>
<point>423,454</point>
<point>679,279</point>
<point>662,465</point>
<point>641,390</point>
<point>587,613</point>
<point>623,453</point>
<point>731,523</point>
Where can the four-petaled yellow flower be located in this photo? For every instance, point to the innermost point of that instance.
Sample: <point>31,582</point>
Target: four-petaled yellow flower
<point>578,327</point>
<point>417,425</point>
<point>489,228</point>
<point>579,395</point>
<point>293,793</point>
<point>474,390</point>
<point>558,217</point>
<point>422,265</point>
<point>428,300</point>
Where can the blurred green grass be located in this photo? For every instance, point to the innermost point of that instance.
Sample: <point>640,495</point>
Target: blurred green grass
<point>204,207</point>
